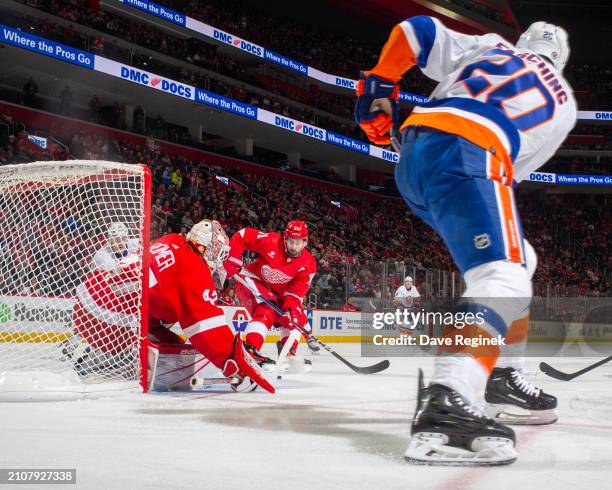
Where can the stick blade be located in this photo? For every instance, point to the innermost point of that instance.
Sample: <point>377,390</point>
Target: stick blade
<point>376,368</point>
<point>554,373</point>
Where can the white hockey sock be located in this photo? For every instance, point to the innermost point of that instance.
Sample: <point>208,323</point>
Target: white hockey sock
<point>463,374</point>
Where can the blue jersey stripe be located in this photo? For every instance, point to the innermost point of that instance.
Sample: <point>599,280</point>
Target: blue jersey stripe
<point>425,32</point>
<point>487,111</point>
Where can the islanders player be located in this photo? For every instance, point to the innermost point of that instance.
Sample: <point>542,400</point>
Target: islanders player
<point>498,113</point>
<point>282,273</point>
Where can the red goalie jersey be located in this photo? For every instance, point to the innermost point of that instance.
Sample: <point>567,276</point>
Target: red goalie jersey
<point>106,310</point>
<point>181,288</point>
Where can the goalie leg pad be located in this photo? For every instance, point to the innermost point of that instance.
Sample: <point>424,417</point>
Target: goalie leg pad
<point>179,367</point>
<point>247,366</point>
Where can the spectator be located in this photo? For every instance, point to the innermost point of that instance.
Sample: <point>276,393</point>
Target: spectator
<point>94,109</point>
<point>349,305</point>
<point>30,91</point>
<point>138,124</point>
<point>65,101</point>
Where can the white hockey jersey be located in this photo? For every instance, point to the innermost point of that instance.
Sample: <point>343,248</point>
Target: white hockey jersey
<point>509,100</point>
<point>106,259</point>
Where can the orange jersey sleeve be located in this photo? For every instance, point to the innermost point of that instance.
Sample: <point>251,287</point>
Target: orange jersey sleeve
<point>396,57</point>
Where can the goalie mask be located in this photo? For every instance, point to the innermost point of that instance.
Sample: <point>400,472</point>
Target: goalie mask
<point>117,238</point>
<point>210,239</point>
<point>547,40</point>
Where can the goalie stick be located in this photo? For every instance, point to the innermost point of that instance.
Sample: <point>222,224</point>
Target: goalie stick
<point>375,368</point>
<point>555,373</point>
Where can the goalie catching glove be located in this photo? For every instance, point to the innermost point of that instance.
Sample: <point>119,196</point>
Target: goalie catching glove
<point>377,108</point>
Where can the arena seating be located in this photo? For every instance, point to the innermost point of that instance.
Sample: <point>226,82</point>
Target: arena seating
<point>349,254</point>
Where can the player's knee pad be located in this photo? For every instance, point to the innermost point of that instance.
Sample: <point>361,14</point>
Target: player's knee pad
<point>502,286</point>
<point>531,259</point>
<point>263,314</point>
<point>498,279</point>
<point>257,328</point>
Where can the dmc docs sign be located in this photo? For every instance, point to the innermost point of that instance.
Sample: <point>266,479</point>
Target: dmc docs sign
<point>145,78</point>
<point>291,125</point>
<point>236,42</point>
<point>595,115</point>
<point>24,314</point>
<point>157,82</point>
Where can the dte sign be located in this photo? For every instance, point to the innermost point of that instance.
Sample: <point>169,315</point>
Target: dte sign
<point>331,323</point>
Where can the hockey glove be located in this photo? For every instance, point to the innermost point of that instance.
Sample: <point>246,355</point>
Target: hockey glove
<point>377,108</point>
<point>232,265</point>
<point>294,315</point>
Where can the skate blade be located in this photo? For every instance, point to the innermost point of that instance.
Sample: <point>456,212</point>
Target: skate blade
<point>268,367</point>
<point>513,415</point>
<point>295,366</point>
<point>431,449</point>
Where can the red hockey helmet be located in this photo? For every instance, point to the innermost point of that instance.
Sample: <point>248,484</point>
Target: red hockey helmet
<point>296,229</point>
<point>296,236</point>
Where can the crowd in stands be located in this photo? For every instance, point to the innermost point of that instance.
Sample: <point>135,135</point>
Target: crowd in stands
<point>570,233</point>
<point>362,248</point>
<point>199,54</point>
<point>313,99</point>
<point>579,165</point>
<point>592,84</point>
<point>484,10</point>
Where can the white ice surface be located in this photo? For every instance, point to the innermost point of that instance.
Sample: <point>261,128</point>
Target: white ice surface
<point>329,429</point>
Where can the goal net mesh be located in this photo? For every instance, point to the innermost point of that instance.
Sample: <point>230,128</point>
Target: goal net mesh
<point>72,236</point>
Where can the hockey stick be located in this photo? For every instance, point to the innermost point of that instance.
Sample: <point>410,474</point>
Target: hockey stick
<point>555,373</point>
<point>375,368</point>
<point>282,355</point>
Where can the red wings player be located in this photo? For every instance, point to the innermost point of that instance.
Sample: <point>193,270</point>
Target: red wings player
<point>282,273</point>
<point>181,289</point>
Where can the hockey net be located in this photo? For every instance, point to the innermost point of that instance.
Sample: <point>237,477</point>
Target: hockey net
<point>69,328</point>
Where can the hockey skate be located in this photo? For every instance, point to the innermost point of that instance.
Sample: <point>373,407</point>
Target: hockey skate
<point>93,361</point>
<point>511,399</point>
<point>446,430</point>
<point>313,346</point>
<point>244,370</point>
<point>267,364</point>
<point>292,364</point>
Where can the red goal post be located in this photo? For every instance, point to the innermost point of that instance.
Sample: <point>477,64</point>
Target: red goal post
<point>73,279</point>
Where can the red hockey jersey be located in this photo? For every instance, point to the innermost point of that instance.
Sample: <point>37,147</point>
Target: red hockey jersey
<point>106,310</point>
<point>181,288</point>
<point>288,277</point>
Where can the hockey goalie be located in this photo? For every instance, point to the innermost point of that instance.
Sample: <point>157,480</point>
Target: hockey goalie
<point>281,273</point>
<point>181,290</point>
<point>118,246</point>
